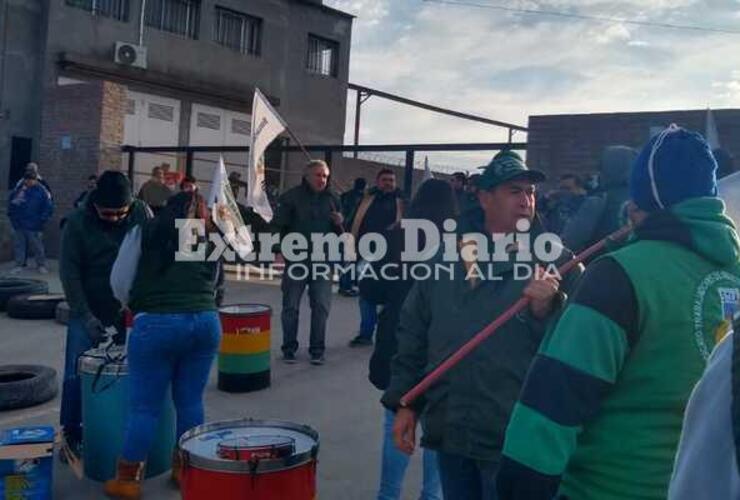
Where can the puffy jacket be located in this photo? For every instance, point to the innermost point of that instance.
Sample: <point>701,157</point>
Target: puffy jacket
<point>30,208</point>
<point>89,249</point>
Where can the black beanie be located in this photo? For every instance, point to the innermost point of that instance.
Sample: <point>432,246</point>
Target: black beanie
<point>113,190</point>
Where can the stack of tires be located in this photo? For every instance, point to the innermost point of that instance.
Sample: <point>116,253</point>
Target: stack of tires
<point>22,386</point>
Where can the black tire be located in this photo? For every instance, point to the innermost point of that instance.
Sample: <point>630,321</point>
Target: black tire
<point>22,386</point>
<point>10,287</point>
<point>34,306</point>
<point>62,313</point>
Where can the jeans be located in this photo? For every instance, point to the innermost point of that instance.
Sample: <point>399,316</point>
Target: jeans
<point>368,318</point>
<point>319,294</point>
<point>466,478</point>
<point>33,242</point>
<point>163,349</point>
<point>393,468</point>
<point>70,415</point>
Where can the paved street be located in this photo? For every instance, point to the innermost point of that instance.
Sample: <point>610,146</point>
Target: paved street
<point>335,399</point>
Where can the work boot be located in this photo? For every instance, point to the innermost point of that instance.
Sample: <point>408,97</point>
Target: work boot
<point>127,484</point>
<point>176,467</point>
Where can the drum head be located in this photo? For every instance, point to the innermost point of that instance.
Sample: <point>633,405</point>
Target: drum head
<point>254,446</point>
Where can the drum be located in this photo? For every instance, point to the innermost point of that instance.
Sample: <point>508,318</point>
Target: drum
<point>249,460</point>
<point>105,408</point>
<point>244,356</point>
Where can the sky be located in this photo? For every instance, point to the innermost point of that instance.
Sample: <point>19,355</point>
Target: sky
<point>508,66</point>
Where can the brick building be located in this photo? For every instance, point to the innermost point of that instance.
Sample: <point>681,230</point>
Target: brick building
<point>88,76</point>
<point>573,143</point>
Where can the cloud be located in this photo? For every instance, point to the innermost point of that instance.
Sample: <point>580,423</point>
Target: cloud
<point>507,66</point>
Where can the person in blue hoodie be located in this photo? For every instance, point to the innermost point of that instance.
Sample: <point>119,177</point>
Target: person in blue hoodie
<point>29,208</point>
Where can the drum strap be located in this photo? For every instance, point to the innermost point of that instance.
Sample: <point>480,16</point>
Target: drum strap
<point>108,359</point>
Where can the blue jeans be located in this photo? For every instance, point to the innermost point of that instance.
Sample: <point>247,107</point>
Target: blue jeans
<point>368,318</point>
<point>467,479</point>
<point>70,415</point>
<point>393,468</point>
<point>163,349</point>
<point>31,242</point>
<point>346,281</point>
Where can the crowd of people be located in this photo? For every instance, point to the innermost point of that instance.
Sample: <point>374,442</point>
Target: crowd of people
<point>580,395</point>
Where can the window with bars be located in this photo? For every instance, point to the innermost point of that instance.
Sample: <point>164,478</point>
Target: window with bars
<point>237,31</point>
<point>116,9</point>
<point>323,56</point>
<point>176,16</point>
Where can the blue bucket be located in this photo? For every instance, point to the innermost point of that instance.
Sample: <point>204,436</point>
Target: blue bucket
<point>105,400</point>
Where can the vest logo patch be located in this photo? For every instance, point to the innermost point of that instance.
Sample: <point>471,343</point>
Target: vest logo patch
<point>730,298</point>
<point>712,317</point>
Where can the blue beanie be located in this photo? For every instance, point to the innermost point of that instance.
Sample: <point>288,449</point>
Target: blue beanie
<point>674,166</point>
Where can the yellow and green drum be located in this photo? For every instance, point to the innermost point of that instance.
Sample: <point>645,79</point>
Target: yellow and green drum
<point>244,356</point>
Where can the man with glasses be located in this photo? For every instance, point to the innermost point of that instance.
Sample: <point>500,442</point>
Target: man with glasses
<point>90,243</point>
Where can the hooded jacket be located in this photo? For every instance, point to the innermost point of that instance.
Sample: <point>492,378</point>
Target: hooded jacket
<point>602,214</point>
<point>601,410</point>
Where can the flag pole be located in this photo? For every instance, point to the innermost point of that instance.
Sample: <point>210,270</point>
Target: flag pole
<point>298,141</point>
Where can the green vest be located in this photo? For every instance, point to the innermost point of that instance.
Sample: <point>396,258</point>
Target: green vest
<point>684,304</point>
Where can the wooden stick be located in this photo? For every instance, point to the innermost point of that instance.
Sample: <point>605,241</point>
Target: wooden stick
<point>489,330</point>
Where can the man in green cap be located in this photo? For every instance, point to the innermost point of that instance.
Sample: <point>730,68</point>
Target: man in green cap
<point>464,415</point>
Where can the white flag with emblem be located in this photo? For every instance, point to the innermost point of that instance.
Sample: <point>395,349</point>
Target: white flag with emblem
<point>225,213</point>
<point>266,126</point>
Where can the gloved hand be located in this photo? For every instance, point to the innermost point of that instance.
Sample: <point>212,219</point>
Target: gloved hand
<point>95,330</point>
<point>119,338</point>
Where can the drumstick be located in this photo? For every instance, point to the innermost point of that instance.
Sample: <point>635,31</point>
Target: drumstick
<point>489,330</point>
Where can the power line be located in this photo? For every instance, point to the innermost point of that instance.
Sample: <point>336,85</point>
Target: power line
<point>606,19</point>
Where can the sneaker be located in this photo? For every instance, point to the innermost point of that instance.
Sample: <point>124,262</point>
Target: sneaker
<point>318,359</point>
<point>360,341</point>
<point>289,358</point>
<point>43,270</point>
<point>349,293</point>
<point>16,270</point>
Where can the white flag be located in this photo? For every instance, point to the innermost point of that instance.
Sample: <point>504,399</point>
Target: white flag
<point>266,126</point>
<point>427,173</point>
<point>225,213</point>
<point>711,134</point>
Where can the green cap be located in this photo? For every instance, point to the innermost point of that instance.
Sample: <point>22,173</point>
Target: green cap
<point>506,166</point>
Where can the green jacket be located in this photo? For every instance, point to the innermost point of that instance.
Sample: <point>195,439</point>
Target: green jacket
<point>302,210</point>
<point>467,411</point>
<point>89,248</point>
<point>600,415</point>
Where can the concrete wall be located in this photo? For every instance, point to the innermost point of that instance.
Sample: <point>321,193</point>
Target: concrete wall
<point>313,105</point>
<point>573,143</point>
<point>21,61</point>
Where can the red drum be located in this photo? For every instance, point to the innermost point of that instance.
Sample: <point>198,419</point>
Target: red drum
<point>249,460</point>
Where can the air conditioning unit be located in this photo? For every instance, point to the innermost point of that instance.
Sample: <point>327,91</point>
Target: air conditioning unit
<point>129,54</point>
